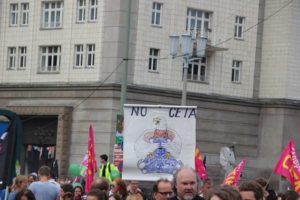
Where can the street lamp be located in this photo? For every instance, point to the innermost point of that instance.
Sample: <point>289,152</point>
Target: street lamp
<point>187,53</point>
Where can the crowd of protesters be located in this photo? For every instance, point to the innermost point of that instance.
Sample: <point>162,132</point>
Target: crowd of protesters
<point>185,185</point>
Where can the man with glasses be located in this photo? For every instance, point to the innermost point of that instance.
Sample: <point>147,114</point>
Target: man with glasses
<point>162,190</point>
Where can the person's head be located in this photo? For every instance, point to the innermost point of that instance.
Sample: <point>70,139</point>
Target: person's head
<point>101,184</point>
<point>207,185</point>
<point>186,183</point>
<point>44,171</point>
<point>280,196</point>
<point>104,159</point>
<point>66,191</point>
<point>272,195</point>
<point>118,186</point>
<point>25,195</point>
<point>224,193</point>
<point>291,195</point>
<point>162,189</point>
<point>21,183</point>
<point>32,178</point>
<point>133,186</point>
<point>264,184</point>
<point>251,190</point>
<point>96,195</point>
<point>78,191</point>
<point>114,197</point>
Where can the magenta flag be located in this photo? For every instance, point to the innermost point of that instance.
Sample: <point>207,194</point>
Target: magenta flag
<point>92,163</point>
<point>233,177</point>
<point>288,165</point>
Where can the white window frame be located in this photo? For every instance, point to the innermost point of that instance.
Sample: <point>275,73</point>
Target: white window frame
<point>239,27</point>
<point>46,53</point>
<point>79,55</point>
<point>198,16</point>
<point>90,55</point>
<point>236,71</point>
<point>49,12</point>
<point>22,57</point>
<point>156,14</point>
<point>198,70</point>
<point>93,8</point>
<point>153,59</point>
<point>81,10</point>
<point>11,58</point>
<point>13,14</point>
<point>24,15</point>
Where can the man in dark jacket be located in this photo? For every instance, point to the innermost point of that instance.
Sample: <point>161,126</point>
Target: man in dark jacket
<point>186,184</point>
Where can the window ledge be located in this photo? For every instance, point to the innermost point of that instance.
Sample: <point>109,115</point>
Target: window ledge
<point>238,83</point>
<point>153,71</point>
<point>202,82</point>
<point>94,21</point>
<point>240,39</point>
<point>80,22</point>
<point>39,72</point>
<point>54,28</point>
<point>156,26</point>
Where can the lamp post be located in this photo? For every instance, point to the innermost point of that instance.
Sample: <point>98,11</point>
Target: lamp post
<point>186,53</point>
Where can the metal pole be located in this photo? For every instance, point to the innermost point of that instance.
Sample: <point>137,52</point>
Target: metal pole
<point>125,68</point>
<point>185,69</point>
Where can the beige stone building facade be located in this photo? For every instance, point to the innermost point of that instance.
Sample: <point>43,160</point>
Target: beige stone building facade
<point>61,70</point>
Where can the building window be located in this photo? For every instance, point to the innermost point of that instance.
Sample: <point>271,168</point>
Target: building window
<point>93,10</point>
<point>78,56</point>
<point>239,27</point>
<point>197,70</point>
<point>12,53</point>
<point>24,13</point>
<point>13,14</point>
<point>90,55</point>
<point>236,71</point>
<point>156,14</point>
<point>50,59</point>
<point>81,4</point>
<point>22,57</point>
<point>197,20</point>
<point>153,59</point>
<point>52,14</point>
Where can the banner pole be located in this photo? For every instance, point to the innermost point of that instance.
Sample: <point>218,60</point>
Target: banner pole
<point>6,193</point>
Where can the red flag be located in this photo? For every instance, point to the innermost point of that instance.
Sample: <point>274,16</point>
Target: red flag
<point>92,164</point>
<point>288,166</point>
<point>233,177</point>
<point>199,166</point>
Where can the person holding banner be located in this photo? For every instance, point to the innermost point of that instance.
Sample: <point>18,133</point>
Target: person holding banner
<point>107,169</point>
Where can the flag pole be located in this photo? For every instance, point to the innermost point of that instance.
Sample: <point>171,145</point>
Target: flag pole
<point>269,179</point>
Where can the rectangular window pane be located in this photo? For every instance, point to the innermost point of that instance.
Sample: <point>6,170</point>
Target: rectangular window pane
<point>153,59</point>
<point>78,56</point>
<point>197,19</point>
<point>12,51</point>
<point>13,14</point>
<point>93,10</point>
<point>52,14</point>
<point>24,13</point>
<point>156,13</point>
<point>90,55</point>
<point>50,59</point>
<point>239,27</point>
<point>197,70</point>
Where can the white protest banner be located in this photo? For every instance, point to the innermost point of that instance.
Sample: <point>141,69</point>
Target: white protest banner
<point>157,140</point>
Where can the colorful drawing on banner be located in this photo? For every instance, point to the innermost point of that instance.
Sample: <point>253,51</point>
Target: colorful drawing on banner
<point>160,160</point>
